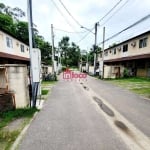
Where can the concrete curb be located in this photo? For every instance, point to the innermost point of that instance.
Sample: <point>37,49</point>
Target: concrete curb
<point>19,138</point>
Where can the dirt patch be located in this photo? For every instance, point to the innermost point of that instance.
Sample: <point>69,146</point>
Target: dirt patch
<point>15,125</point>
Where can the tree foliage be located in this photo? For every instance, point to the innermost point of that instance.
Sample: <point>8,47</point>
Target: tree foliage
<point>70,52</point>
<point>10,23</point>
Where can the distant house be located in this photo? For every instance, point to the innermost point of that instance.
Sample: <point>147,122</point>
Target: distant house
<point>12,50</point>
<point>130,57</point>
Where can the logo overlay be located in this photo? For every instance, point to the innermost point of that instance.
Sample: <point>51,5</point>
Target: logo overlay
<point>71,75</point>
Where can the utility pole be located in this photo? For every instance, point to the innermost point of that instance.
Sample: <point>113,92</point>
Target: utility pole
<point>53,59</point>
<point>53,54</point>
<point>95,45</point>
<point>34,84</point>
<point>103,47</point>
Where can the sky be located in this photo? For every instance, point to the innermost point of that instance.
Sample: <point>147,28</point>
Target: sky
<point>87,13</point>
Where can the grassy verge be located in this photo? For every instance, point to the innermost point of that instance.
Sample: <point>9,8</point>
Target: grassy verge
<point>45,92</point>
<point>140,86</point>
<point>8,137</point>
<point>46,88</point>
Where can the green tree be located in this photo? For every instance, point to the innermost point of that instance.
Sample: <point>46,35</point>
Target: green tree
<point>22,31</point>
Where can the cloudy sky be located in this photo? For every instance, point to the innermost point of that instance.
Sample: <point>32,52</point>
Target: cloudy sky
<point>86,12</point>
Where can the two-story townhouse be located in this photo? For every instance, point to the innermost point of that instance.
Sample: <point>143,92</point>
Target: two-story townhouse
<point>130,57</point>
<point>14,79</point>
<point>12,50</point>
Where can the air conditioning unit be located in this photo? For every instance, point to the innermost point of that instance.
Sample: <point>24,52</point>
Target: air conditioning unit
<point>17,43</point>
<point>133,44</point>
<point>119,48</point>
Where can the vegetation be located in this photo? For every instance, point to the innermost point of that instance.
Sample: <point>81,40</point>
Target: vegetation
<point>7,117</point>
<point>8,137</point>
<point>45,92</point>
<point>10,23</point>
<point>136,84</point>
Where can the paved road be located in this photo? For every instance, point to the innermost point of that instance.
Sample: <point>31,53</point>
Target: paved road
<point>131,106</point>
<point>70,120</point>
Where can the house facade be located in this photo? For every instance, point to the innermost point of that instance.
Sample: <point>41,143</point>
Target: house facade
<point>128,58</point>
<point>14,79</point>
<point>12,50</point>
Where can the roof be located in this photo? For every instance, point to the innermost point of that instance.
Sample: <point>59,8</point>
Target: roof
<point>132,38</point>
<point>10,56</point>
<point>143,56</point>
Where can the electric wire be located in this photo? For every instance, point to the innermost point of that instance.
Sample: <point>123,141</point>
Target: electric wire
<point>84,36</point>
<point>110,10</point>
<point>115,13</point>
<point>77,22</point>
<point>68,31</point>
<point>62,14</point>
<point>131,26</point>
<point>101,19</point>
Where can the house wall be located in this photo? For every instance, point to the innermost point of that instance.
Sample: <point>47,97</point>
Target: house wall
<point>16,46</point>
<point>132,50</point>
<point>18,83</point>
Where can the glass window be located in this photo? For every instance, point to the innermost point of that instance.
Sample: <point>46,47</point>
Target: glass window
<point>9,42</point>
<point>22,48</point>
<point>125,48</point>
<point>143,42</point>
<point>114,51</point>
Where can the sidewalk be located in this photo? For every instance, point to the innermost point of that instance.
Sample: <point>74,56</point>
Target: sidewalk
<point>133,107</point>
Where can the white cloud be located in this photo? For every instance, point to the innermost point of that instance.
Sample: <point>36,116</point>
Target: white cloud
<point>87,13</point>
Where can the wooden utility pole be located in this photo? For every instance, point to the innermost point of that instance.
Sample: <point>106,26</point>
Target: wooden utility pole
<point>95,45</point>
<point>103,47</point>
<point>53,59</point>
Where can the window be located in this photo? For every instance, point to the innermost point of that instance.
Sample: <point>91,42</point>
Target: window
<point>114,51</point>
<point>22,48</point>
<point>143,42</point>
<point>125,48</point>
<point>9,42</point>
<point>106,53</point>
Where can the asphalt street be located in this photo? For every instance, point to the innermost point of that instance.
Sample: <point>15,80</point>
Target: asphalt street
<point>71,120</point>
<point>133,107</point>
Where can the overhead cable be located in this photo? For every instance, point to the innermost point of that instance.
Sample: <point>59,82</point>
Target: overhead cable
<point>77,22</point>
<point>115,13</point>
<point>62,15</point>
<point>110,10</point>
<point>68,31</point>
<point>131,26</point>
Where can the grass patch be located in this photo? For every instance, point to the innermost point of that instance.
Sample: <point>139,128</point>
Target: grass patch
<point>49,82</point>
<point>7,117</point>
<point>45,92</point>
<point>138,85</point>
<point>8,137</point>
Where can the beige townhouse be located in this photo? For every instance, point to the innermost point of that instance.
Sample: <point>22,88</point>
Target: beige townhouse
<point>128,58</point>
<point>14,80</point>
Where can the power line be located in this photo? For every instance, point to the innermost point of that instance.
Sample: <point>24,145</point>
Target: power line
<point>102,19</point>
<point>68,31</point>
<point>110,10</point>
<point>77,22</point>
<point>62,15</point>
<point>115,12</point>
<point>134,24</point>
<point>85,36</point>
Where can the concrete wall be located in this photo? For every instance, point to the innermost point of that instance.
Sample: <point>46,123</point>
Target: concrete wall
<point>113,71</point>
<point>18,83</point>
